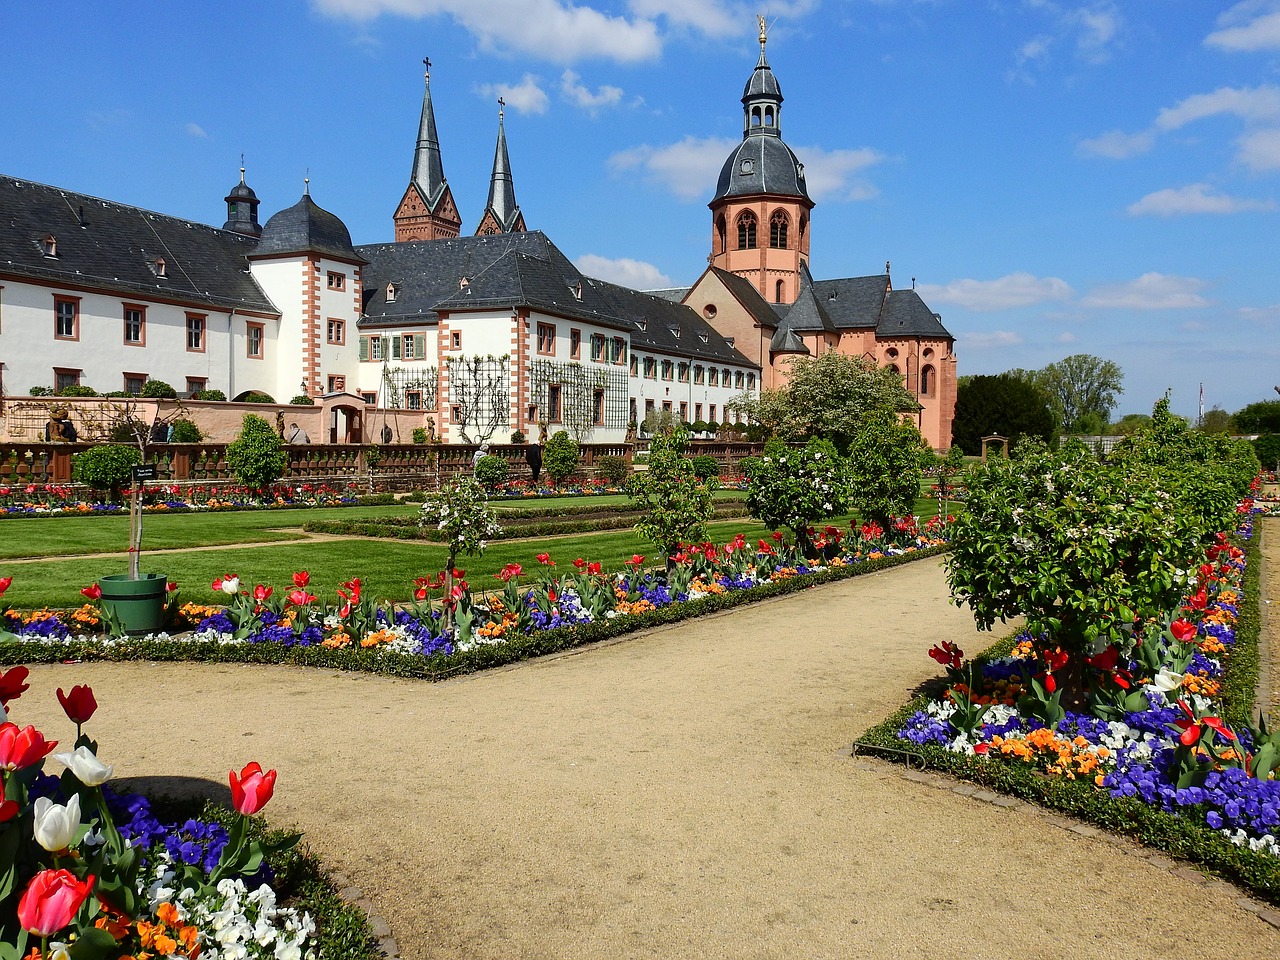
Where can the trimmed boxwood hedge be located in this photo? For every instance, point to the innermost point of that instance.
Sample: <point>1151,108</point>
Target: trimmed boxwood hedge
<point>1257,872</point>
<point>364,500</point>
<point>516,525</point>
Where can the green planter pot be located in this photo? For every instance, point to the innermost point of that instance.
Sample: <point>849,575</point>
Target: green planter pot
<point>139,604</point>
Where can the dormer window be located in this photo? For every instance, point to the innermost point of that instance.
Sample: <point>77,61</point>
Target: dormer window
<point>158,267</point>
<point>464,283</point>
<point>391,293</point>
<point>49,246</point>
<point>675,332</point>
<point>747,167</point>
<point>577,290</point>
<point>643,323</point>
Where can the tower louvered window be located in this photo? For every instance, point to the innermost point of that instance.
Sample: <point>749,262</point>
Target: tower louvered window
<point>747,231</point>
<point>778,231</point>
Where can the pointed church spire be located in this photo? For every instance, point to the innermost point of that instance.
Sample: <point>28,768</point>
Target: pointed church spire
<point>427,210</point>
<point>502,213</point>
<point>762,97</point>
<point>428,168</point>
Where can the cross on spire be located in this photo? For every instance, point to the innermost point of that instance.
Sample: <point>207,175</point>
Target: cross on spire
<point>426,63</point>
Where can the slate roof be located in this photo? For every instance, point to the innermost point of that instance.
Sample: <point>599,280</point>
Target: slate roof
<point>745,292</point>
<point>906,315</point>
<point>660,326</point>
<point>762,163</point>
<point>852,303</point>
<point>428,271</point>
<point>113,246</point>
<point>502,191</point>
<point>306,227</point>
<point>762,82</point>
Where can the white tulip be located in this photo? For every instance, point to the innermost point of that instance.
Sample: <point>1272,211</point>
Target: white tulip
<point>231,585</point>
<point>1167,681</point>
<point>88,769</point>
<point>56,825</point>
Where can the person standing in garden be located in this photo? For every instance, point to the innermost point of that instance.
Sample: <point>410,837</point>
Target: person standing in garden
<point>533,455</point>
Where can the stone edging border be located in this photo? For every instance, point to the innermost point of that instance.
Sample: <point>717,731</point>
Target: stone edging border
<point>1221,889</point>
<point>379,927</point>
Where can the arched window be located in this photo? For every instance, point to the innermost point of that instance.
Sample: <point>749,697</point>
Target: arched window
<point>927,381</point>
<point>768,116</point>
<point>755,116</point>
<point>721,234</point>
<point>778,230</point>
<point>777,292</point>
<point>747,231</point>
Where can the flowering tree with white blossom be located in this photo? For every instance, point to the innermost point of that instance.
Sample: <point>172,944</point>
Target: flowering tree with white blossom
<point>796,487</point>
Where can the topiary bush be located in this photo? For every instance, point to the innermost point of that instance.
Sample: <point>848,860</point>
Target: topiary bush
<point>302,400</point>
<point>106,467</point>
<point>256,397</point>
<point>256,456</point>
<point>419,435</point>
<point>491,471</point>
<point>40,392</point>
<point>699,426</point>
<point>560,458</point>
<point>184,431</point>
<point>208,395</point>
<point>1267,447</point>
<point>705,466</point>
<point>517,436</point>
<point>613,469</point>
<point>77,390</point>
<point>158,390</point>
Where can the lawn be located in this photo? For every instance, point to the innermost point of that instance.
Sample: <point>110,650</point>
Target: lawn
<point>385,567</point>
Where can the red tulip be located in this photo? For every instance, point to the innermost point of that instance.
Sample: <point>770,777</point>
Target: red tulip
<point>579,563</point>
<point>93,592</point>
<point>79,704</point>
<point>1198,601</point>
<point>1050,684</point>
<point>1183,631</point>
<point>8,810</point>
<point>252,789</point>
<point>171,587</point>
<point>949,655</point>
<point>12,684</point>
<point>261,593</point>
<point>4,584</point>
<point>509,571</point>
<point>545,558</point>
<point>635,561</point>
<point>22,748</point>
<point>51,900</point>
<point>594,569</point>
<point>301,579</point>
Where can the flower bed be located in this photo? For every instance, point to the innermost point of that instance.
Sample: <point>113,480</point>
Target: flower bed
<point>90,872</point>
<point>448,627</point>
<point>52,500</point>
<point>1163,746</point>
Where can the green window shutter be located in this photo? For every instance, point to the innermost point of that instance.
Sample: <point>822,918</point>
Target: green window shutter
<point>364,348</point>
<point>395,347</point>
<point>419,346</point>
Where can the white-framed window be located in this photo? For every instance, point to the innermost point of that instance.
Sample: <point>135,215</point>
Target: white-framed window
<point>335,331</point>
<point>337,281</point>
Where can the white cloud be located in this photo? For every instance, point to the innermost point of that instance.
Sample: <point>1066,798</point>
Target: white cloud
<point>527,96</point>
<point>1117,145</point>
<point>990,340</point>
<point>1248,103</point>
<point>831,174</point>
<point>687,168</point>
<point>1013,290</point>
<point>717,18</point>
<point>195,130</point>
<point>1035,49</point>
<point>1098,27</point>
<point>1248,27</point>
<point>1260,150</point>
<point>550,30</point>
<point>1066,337</point>
<point>581,96</point>
<point>623,271</point>
<point>1151,291</point>
<point>1193,198</point>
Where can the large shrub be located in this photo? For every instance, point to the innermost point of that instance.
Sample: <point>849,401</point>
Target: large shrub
<point>208,395</point>
<point>560,458</point>
<point>705,466</point>
<point>77,390</point>
<point>106,467</point>
<point>256,456</point>
<point>677,502</point>
<point>1267,447</point>
<point>613,469</point>
<point>1079,548</point>
<point>797,488</point>
<point>491,471</point>
<point>885,468</point>
<point>184,431</point>
<point>158,390</point>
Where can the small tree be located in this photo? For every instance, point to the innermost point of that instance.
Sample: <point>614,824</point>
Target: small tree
<point>884,468</point>
<point>676,501</point>
<point>460,511</point>
<point>108,466</point>
<point>560,458</point>
<point>257,455</point>
<point>797,488</point>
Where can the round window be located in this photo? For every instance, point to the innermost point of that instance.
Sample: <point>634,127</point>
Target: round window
<point>748,166</point>
<point>709,311</point>
<point>891,353</point>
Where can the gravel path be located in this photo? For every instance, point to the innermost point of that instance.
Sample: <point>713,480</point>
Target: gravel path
<point>684,793</point>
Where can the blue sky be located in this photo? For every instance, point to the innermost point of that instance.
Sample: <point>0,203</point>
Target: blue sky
<point>1057,177</point>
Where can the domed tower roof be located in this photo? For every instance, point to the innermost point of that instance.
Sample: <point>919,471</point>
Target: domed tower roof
<point>307,227</point>
<point>762,163</point>
<point>242,209</point>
